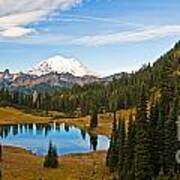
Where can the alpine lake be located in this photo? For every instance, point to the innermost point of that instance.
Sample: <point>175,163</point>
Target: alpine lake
<point>68,139</point>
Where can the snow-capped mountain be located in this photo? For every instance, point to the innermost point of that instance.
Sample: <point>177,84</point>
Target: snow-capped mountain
<point>59,64</point>
<point>56,71</point>
<point>53,73</point>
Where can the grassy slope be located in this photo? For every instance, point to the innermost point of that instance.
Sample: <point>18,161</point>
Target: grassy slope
<point>11,115</point>
<point>21,165</point>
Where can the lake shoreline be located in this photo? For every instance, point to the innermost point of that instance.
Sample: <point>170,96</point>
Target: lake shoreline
<point>10,115</point>
<point>20,149</point>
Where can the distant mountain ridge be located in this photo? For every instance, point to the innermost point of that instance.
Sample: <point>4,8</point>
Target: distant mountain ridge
<point>53,72</point>
<point>17,80</point>
<point>63,80</point>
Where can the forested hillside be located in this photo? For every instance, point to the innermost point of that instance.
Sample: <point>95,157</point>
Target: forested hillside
<point>147,148</point>
<point>108,96</point>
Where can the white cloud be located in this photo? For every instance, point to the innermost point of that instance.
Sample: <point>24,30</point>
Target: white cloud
<point>19,19</point>
<point>139,35</point>
<point>55,17</point>
<point>14,32</point>
<point>136,35</point>
<point>15,15</point>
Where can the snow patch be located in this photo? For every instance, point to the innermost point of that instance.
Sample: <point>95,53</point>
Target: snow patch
<point>60,64</point>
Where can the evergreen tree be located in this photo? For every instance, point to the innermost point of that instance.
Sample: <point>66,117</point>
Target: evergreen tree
<point>170,144</point>
<point>94,117</point>
<point>166,86</point>
<point>143,169</point>
<point>128,170</point>
<point>113,152</point>
<point>121,147</point>
<point>51,160</point>
<point>161,137</point>
<point>93,141</point>
<point>113,104</point>
<point>155,133</point>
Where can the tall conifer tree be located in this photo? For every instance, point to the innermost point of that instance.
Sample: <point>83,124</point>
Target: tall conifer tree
<point>143,168</point>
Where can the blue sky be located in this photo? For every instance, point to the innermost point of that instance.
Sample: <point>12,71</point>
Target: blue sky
<point>108,36</point>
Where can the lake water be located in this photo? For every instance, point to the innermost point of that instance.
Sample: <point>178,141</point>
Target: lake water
<point>36,138</point>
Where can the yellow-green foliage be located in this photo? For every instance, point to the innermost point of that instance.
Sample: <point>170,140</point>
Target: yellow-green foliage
<point>12,115</point>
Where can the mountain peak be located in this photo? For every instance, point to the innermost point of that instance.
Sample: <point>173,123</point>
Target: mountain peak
<point>60,64</point>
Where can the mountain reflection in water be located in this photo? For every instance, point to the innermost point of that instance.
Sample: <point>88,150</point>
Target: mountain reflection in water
<point>67,138</point>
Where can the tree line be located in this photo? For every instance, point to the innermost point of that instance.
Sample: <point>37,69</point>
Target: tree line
<point>146,148</point>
